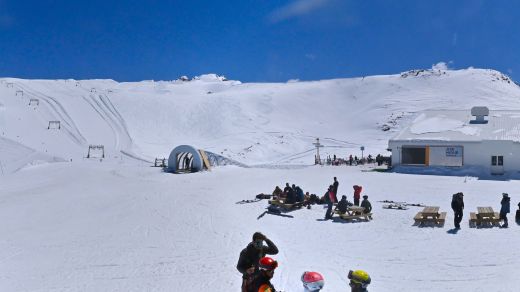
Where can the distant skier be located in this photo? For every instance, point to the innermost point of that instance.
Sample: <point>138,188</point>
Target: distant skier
<point>261,281</point>
<point>359,280</point>
<point>505,208</point>
<point>357,194</point>
<point>457,204</point>
<point>312,281</point>
<point>366,204</point>
<point>250,256</point>
<point>335,186</point>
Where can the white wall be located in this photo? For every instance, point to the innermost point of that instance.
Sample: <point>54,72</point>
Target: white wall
<point>475,153</point>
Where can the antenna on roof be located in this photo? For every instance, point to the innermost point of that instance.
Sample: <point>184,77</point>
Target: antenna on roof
<point>479,112</point>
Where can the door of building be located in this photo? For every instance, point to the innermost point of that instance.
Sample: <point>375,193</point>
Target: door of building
<point>497,164</point>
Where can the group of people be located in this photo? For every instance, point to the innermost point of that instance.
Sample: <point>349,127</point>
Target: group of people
<point>294,194</point>
<point>257,269</point>
<point>457,204</point>
<point>290,194</point>
<point>353,160</point>
<point>331,197</point>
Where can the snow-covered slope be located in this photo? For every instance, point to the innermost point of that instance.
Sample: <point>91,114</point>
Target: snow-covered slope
<point>116,224</point>
<point>255,123</point>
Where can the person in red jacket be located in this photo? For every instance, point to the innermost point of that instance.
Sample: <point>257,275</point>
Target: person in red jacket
<point>357,194</point>
<point>330,199</point>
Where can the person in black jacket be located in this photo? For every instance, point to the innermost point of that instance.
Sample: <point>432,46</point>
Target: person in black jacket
<point>335,186</point>
<point>457,204</point>
<point>517,216</point>
<point>250,256</point>
<point>505,208</point>
<point>342,205</point>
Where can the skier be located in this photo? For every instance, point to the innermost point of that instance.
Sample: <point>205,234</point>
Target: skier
<point>366,204</point>
<point>504,209</point>
<point>357,194</point>
<point>329,197</point>
<point>249,257</point>
<point>457,204</point>
<point>335,186</point>
<point>359,280</point>
<point>261,281</point>
<point>312,281</point>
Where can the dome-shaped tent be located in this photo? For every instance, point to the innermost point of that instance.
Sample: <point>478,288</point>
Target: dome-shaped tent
<point>185,158</point>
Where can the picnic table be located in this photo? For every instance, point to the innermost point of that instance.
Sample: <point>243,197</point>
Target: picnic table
<point>354,213</point>
<point>280,203</point>
<point>484,215</point>
<point>430,214</point>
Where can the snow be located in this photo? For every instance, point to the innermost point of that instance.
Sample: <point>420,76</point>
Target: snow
<point>117,224</point>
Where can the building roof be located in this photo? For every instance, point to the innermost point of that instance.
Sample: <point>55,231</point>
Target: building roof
<point>454,125</point>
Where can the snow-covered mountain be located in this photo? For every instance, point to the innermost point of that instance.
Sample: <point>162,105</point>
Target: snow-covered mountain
<point>254,123</point>
<point>116,224</point>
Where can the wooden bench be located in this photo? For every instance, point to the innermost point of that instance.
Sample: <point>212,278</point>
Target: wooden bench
<point>281,204</point>
<point>442,218</point>
<point>345,216</point>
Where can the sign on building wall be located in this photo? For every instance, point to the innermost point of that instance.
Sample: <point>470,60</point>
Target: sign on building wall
<point>446,155</point>
<point>454,151</point>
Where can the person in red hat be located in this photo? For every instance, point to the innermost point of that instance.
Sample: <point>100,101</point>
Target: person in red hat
<point>261,281</point>
<point>312,281</point>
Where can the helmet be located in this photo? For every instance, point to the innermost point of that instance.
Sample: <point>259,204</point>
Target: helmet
<point>267,263</point>
<point>313,281</point>
<point>359,277</point>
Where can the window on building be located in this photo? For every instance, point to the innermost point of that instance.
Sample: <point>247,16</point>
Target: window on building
<point>493,160</point>
<point>413,155</point>
<point>500,160</point>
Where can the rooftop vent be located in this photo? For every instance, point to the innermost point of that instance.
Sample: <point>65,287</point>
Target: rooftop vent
<point>479,112</point>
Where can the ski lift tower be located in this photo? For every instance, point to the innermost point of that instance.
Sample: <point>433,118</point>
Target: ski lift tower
<point>362,148</point>
<point>317,159</point>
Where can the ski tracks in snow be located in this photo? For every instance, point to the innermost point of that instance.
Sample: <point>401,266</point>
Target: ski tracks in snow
<point>59,112</point>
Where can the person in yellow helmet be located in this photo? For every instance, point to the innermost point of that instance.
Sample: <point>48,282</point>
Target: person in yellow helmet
<point>359,280</point>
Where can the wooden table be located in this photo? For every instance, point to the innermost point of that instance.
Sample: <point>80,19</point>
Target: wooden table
<point>430,214</point>
<point>484,215</point>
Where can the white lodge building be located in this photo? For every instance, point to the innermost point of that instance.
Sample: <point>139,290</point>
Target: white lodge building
<point>481,138</point>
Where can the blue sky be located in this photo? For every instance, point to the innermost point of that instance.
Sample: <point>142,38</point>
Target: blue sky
<point>254,41</point>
